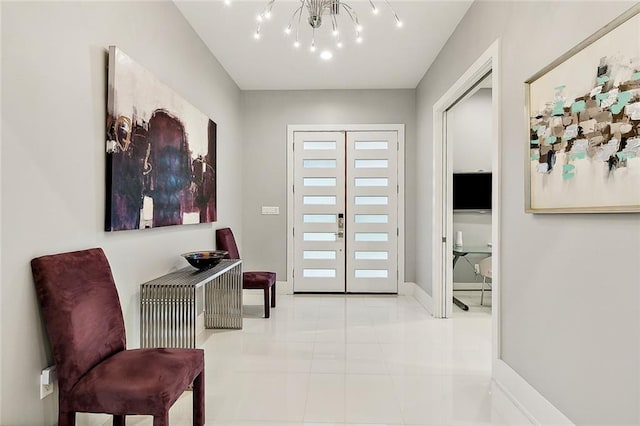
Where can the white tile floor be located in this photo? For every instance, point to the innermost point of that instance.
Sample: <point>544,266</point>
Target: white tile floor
<point>342,360</point>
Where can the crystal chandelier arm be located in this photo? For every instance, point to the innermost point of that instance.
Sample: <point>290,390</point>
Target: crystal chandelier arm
<point>266,12</point>
<point>293,16</point>
<point>395,15</point>
<point>374,9</point>
<point>354,18</point>
<point>299,20</point>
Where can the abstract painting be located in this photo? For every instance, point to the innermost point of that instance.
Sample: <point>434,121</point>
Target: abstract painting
<point>161,153</point>
<point>583,151</point>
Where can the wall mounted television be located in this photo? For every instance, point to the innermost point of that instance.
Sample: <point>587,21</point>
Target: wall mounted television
<point>472,191</point>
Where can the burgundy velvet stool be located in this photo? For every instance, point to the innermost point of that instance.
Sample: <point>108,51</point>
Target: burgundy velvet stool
<point>96,374</point>
<point>265,281</point>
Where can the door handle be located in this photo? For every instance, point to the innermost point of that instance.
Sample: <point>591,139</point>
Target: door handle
<point>340,233</point>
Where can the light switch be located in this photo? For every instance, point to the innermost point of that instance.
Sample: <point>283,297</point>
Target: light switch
<point>270,210</point>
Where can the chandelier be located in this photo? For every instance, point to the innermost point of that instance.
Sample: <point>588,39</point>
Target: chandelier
<point>315,12</point>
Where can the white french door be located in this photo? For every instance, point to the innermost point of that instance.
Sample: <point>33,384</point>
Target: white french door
<point>319,201</point>
<point>345,211</point>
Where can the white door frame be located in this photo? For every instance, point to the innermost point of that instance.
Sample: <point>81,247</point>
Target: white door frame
<point>442,261</point>
<point>291,128</point>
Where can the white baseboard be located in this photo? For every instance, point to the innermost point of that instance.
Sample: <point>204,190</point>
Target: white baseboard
<point>535,406</point>
<point>406,289</point>
<point>423,298</point>
<point>283,287</point>
<point>469,285</point>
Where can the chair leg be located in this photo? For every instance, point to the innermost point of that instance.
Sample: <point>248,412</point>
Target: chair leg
<point>162,420</point>
<point>273,296</point>
<point>66,418</point>
<point>198,400</point>
<point>266,302</point>
<point>119,420</point>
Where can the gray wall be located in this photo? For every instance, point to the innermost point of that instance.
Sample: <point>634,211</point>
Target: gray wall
<point>267,114</point>
<point>569,301</point>
<point>53,162</point>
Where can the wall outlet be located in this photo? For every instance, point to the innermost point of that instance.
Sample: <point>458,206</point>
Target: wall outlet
<point>47,379</point>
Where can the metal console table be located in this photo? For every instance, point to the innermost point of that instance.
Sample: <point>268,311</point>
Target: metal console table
<point>168,311</point>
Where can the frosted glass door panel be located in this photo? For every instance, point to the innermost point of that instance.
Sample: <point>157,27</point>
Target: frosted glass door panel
<point>319,236</point>
<point>311,200</point>
<point>372,182</point>
<point>371,237</point>
<point>320,164</point>
<point>319,218</point>
<point>371,145</point>
<point>371,218</point>
<point>319,181</point>
<point>372,164</point>
<point>320,145</point>
<point>372,255</point>
<point>319,273</point>
<point>371,273</point>
<point>319,255</point>
<point>371,201</point>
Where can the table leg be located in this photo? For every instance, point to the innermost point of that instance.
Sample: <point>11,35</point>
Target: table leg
<point>459,303</point>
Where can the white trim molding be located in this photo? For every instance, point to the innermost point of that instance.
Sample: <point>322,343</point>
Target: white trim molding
<point>284,287</point>
<point>532,404</point>
<point>442,258</point>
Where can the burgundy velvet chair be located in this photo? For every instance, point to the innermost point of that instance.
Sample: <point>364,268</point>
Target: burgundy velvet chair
<point>96,374</point>
<point>250,280</point>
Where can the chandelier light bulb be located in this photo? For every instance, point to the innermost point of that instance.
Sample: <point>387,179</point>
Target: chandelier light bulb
<point>256,35</point>
<point>326,55</point>
<point>339,44</point>
<point>227,2</point>
<point>359,39</point>
<point>287,30</point>
<point>375,10</point>
<point>267,14</point>
<point>259,18</point>
<point>399,23</point>
<point>358,28</point>
<point>313,47</point>
<point>335,33</point>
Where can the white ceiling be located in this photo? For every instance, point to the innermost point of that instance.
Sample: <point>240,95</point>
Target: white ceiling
<point>388,57</point>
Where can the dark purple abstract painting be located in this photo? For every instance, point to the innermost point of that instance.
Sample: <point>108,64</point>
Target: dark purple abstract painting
<point>161,153</point>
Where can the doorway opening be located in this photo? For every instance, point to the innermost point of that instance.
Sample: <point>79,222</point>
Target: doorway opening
<point>483,73</point>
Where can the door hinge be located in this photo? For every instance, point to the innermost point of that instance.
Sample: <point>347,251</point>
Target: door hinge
<point>397,232</point>
<point>294,189</point>
<point>398,188</point>
<point>293,273</point>
<point>293,146</point>
<point>294,231</point>
<point>444,239</point>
